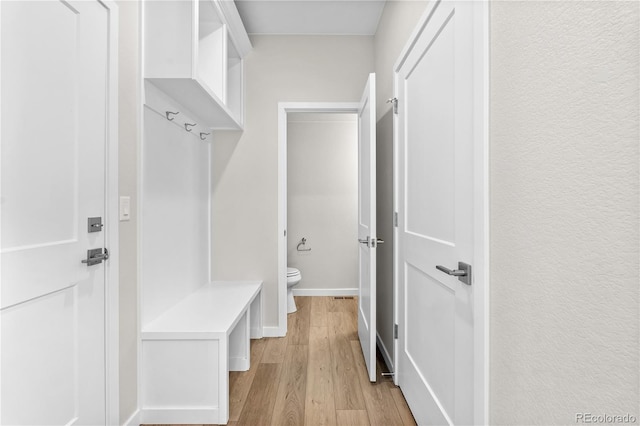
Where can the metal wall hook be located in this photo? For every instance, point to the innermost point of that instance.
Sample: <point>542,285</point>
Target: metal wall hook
<point>171,112</point>
<point>203,135</point>
<point>187,126</point>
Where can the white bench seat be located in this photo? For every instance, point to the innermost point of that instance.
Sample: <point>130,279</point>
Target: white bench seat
<point>209,313</point>
<point>188,351</point>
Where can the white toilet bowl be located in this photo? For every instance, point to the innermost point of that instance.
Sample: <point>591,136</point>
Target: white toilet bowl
<point>293,278</point>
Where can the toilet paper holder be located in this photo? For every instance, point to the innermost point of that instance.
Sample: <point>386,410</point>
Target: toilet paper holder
<point>302,243</point>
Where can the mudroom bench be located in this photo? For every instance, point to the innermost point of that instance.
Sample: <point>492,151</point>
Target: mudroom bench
<point>188,351</point>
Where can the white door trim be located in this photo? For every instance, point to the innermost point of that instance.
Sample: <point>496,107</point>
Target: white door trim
<point>480,202</point>
<point>112,267</point>
<point>283,109</point>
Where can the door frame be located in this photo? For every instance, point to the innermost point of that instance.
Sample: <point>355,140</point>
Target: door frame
<point>480,199</point>
<point>112,222</point>
<point>285,108</point>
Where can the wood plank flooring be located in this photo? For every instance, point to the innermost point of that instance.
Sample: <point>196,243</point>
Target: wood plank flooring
<point>315,375</point>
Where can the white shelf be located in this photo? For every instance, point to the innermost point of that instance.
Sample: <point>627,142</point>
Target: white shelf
<point>194,52</point>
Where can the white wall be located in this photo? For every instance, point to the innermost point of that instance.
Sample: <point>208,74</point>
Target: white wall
<point>174,250</point>
<point>245,166</point>
<point>564,210</point>
<point>129,122</point>
<point>396,24</point>
<point>322,184</point>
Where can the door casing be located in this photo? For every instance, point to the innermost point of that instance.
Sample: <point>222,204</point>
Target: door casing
<point>112,268</point>
<point>480,199</point>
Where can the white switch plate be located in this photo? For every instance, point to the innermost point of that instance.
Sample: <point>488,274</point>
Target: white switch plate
<point>125,209</point>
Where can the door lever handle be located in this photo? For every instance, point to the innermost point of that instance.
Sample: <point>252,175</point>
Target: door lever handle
<point>463,272</point>
<point>364,240</point>
<point>454,272</point>
<point>95,256</point>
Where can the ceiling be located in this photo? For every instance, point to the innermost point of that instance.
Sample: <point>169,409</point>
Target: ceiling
<point>311,17</point>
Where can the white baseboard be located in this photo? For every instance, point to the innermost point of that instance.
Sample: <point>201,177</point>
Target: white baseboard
<point>325,291</point>
<point>134,420</point>
<point>273,332</point>
<point>385,353</point>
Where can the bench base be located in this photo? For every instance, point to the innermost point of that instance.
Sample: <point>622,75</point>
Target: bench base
<point>185,377</point>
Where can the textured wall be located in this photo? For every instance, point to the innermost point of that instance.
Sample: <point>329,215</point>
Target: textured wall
<point>129,121</point>
<point>396,24</point>
<point>564,210</point>
<point>322,185</point>
<point>245,166</point>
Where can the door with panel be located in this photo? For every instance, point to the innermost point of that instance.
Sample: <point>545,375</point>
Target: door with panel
<point>54,105</point>
<point>435,231</point>
<point>367,225</point>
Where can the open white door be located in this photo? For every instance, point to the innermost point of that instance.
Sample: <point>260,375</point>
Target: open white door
<point>55,123</point>
<point>367,225</point>
<point>436,144</point>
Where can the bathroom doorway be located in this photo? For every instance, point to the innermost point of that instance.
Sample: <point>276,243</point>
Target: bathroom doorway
<point>323,184</point>
<point>366,240</point>
<point>322,203</point>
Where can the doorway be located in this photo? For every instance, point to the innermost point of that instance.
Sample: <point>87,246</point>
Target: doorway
<point>366,214</point>
<point>322,203</point>
<point>285,112</point>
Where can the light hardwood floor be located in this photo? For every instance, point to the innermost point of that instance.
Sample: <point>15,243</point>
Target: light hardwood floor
<point>315,375</point>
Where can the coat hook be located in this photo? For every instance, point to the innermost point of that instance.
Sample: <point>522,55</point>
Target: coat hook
<point>203,135</point>
<point>187,126</point>
<point>170,112</point>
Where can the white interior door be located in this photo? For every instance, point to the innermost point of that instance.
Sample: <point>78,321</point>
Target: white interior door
<point>53,142</point>
<point>367,225</point>
<point>435,197</point>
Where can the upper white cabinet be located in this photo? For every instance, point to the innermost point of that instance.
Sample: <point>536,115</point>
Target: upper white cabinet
<point>194,53</point>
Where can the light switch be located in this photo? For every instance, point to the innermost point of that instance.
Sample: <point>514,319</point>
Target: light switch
<point>125,208</point>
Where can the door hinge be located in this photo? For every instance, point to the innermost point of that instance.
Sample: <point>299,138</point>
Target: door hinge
<point>395,219</point>
<point>285,232</point>
<point>395,331</point>
<point>393,101</point>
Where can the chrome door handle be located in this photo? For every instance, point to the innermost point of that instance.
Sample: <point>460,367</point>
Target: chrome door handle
<point>379,241</point>
<point>463,272</point>
<point>454,272</point>
<point>95,256</point>
<point>364,240</point>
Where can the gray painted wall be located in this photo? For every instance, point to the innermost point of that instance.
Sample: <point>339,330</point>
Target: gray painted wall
<point>564,185</point>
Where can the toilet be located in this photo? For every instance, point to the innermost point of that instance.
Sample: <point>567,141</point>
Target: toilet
<point>293,278</point>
